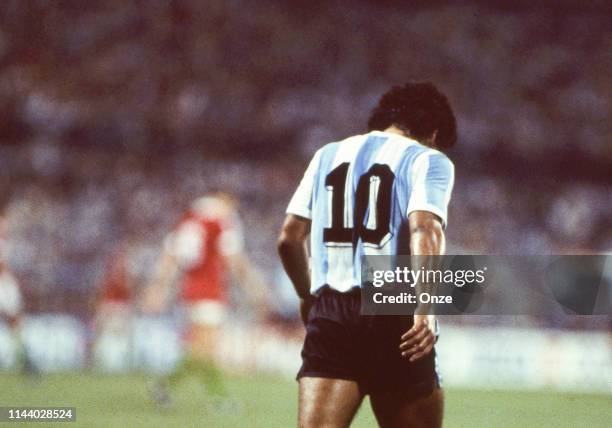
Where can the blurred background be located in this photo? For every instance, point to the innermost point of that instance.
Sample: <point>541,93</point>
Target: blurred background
<point>116,115</point>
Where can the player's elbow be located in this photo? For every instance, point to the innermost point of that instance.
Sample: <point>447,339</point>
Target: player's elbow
<point>285,242</point>
<point>430,230</point>
<point>293,234</point>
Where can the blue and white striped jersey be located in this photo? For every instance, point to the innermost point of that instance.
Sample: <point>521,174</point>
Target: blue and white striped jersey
<point>358,193</point>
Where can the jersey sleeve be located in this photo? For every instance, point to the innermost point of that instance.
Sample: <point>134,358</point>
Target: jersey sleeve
<point>301,202</point>
<point>231,240</point>
<point>11,304</point>
<point>432,178</point>
<point>187,243</point>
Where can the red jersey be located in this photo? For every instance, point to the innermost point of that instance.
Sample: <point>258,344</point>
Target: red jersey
<point>201,243</point>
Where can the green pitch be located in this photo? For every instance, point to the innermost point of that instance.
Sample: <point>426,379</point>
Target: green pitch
<point>114,401</point>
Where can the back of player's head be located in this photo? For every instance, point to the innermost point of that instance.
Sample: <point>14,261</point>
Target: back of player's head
<point>419,109</point>
<point>215,204</point>
<point>226,197</point>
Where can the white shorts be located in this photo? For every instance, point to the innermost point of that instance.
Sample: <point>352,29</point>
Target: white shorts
<point>207,312</point>
<point>10,296</point>
<point>115,316</point>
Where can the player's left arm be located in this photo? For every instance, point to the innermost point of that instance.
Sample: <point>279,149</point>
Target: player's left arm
<point>248,276</point>
<point>250,280</point>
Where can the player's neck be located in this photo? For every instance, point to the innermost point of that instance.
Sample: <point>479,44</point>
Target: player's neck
<point>395,130</point>
<point>430,142</point>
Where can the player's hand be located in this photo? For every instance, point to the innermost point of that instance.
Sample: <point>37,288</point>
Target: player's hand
<point>305,306</point>
<point>420,339</point>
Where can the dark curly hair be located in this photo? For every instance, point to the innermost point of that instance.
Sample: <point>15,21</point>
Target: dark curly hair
<point>419,109</point>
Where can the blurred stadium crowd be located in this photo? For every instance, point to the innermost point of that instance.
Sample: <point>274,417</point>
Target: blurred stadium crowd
<point>115,115</point>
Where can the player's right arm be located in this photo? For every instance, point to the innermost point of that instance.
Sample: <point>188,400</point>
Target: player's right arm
<point>294,233</point>
<point>294,256</point>
<point>426,239</point>
<point>432,182</point>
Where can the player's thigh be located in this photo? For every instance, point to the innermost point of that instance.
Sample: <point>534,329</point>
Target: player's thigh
<point>205,320</point>
<point>203,340</point>
<point>398,410</point>
<point>330,403</point>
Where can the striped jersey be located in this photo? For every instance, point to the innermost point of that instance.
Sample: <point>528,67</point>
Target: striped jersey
<point>358,193</point>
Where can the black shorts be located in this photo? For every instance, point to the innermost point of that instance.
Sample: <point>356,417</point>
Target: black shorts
<point>342,344</point>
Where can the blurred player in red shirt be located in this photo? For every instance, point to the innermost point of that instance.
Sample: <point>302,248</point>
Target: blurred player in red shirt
<point>11,302</point>
<point>206,245</point>
<point>114,301</point>
<point>116,289</point>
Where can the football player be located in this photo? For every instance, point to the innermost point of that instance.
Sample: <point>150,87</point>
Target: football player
<point>359,196</point>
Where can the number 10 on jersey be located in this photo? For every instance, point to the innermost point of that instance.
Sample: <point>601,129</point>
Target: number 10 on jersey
<point>371,211</point>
